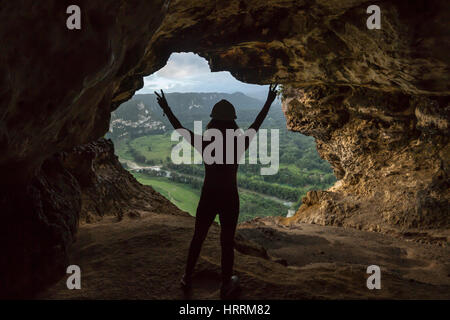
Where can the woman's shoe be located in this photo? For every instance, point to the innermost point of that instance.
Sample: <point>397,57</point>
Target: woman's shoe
<point>230,288</point>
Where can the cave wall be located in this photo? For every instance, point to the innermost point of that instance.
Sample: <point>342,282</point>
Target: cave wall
<point>390,152</point>
<point>58,87</point>
<point>40,220</point>
<point>56,84</point>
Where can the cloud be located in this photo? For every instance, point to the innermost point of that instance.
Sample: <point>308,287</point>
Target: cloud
<point>188,72</point>
<point>184,65</point>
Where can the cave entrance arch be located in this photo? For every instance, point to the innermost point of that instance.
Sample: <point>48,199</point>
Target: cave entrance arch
<point>141,135</point>
<point>385,128</point>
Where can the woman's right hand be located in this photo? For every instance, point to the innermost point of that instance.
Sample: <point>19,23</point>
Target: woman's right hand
<point>162,100</point>
<point>272,93</point>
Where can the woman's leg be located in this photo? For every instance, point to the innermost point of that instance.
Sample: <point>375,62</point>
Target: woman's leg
<point>204,218</point>
<point>228,221</point>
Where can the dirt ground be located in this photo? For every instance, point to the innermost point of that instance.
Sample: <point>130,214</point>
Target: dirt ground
<point>143,258</point>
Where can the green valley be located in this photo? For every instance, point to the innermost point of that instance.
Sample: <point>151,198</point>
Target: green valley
<point>142,137</point>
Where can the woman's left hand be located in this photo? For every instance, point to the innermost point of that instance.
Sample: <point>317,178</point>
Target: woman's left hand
<point>162,100</point>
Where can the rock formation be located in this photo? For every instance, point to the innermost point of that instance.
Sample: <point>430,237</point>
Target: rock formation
<point>39,222</point>
<point>375,100</point>
<point>80,186</point>
<point>389,150</point>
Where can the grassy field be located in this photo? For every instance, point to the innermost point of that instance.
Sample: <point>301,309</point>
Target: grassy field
<point>122,150</point>
<point>186,198</point>
<point>154,148</point>
<point>180,194</point>
<point>160,146</point>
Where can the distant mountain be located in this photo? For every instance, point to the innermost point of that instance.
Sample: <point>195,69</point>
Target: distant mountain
<point>142,115</point>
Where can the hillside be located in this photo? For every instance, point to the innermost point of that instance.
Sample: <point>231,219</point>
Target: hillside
<point>142,116</point>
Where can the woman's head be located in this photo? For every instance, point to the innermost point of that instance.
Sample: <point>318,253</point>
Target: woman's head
<point>223,115</point>
<point>223,110</point>
<point>222,125</point>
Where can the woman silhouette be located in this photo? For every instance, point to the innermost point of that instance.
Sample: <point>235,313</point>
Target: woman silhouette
<point>220,191</point>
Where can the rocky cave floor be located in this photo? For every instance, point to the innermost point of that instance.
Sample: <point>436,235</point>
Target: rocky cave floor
<point>143,258</point>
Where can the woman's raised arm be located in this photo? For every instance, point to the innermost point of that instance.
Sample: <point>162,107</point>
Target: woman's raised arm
<point>186,133</point>
<point>265,109</point>
<point>251,131</point>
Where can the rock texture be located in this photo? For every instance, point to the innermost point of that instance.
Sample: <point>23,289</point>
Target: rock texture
<point>59,93</point>
<point>40,222</point>
<point>57,84</point>
<point>317,42</point>
<point>58,87</point>
<point>389,150</point>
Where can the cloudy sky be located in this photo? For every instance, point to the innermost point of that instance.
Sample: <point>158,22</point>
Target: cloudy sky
<point>188,72</point>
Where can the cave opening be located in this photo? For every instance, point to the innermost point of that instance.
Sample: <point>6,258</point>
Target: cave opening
<point>142,138</point>
<point>375,100</point>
